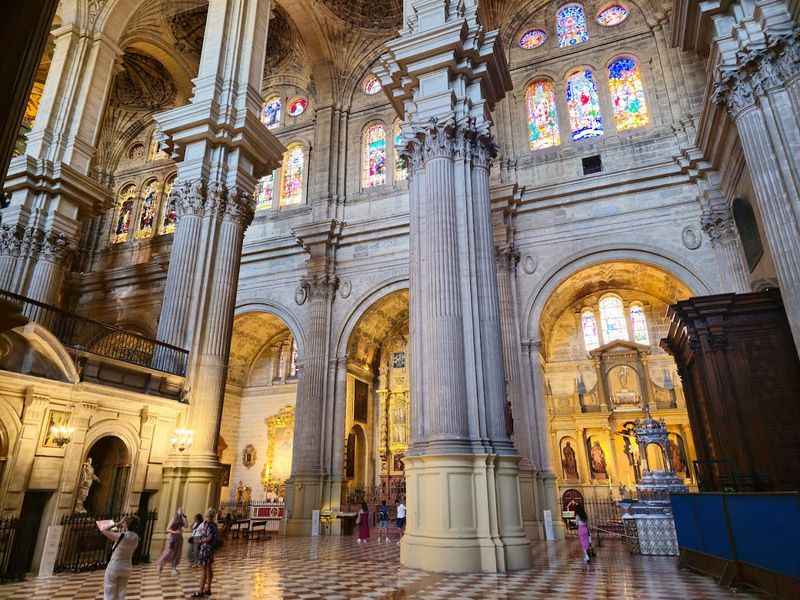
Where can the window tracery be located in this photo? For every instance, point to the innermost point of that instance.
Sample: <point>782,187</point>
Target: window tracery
<point>373,166</point>
<point>612,319</point>
<point>540,101</point>
<point>292,175</point>
<point>571,26</point>
<point>583,105</point>
<point>627,93</point>
<point>122,224</point>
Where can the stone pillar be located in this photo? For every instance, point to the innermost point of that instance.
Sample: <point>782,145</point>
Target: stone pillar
<point>717,221</point>
<point>304,488</point>
<point>462,475</point>
<point>221,149</point>
<point>762,95</point>
<point>335,439</point>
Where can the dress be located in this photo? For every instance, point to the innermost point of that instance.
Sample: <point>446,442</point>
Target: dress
<point>583,533</point>
<point>363,525</point>
<point>119,566</point>
<point>209,536</point>
<point>172,550</point>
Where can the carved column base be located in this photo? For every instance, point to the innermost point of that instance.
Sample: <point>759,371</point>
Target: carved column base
<point>303,495</point>
<point>464,514</point>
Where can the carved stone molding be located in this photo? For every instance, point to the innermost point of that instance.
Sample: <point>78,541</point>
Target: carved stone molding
<point>320,286</point>
<point>240,208</point>
<point>507,258</point>
<point>718,224</point>
<point>197,198</point>
<point>11,240</point>
<point>57,248</point>
<point>439,140</point>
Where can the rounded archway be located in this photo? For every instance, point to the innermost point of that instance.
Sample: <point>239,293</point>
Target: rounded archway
<point>600,329</point>
<point>111,462</point>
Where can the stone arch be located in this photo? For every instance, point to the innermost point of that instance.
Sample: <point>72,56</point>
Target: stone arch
<point>570,265</point>
<point>43,341</point>
<point>280,311</point>
<point>114,465</point>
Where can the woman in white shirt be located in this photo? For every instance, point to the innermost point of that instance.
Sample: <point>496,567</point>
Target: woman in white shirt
<point>118,570</point>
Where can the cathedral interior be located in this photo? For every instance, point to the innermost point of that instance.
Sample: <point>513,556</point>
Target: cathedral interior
<point>296,255</point>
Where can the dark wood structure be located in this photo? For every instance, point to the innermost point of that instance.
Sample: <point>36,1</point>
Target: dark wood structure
<point>741,378</point>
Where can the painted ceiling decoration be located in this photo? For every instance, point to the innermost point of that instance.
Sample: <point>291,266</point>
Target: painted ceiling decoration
<point>367,14</point>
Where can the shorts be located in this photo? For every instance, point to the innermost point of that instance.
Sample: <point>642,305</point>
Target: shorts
<point>383,524</point>
<point>401,522</point>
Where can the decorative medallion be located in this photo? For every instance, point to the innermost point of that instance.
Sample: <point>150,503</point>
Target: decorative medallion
<point>371,85</point>
<point>691,237</point>
<point>533,38</point>
<point>300,295</point>
<point>612,15</point>
<point>345,289</point>
<point>297,107</point>
<point>249,455</point>
<point>529,264</point>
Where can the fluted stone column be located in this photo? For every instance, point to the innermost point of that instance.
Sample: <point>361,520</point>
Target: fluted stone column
<point>221,148</point>
<point>717,222</point>
<point>462,475</point>
<point>762,95</point>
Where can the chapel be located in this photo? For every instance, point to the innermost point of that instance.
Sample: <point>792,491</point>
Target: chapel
<point>290,256</point>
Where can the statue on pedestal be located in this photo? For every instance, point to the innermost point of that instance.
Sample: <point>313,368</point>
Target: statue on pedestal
<point>85,482</point>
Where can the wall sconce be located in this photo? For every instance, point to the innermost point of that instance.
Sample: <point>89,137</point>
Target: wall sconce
<point>182,439</point>
<point>61,434</point>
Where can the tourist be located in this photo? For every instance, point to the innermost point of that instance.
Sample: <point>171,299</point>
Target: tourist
<point>194,540</point>
<point>582,519</point>
<point>363,523</point>
<point>383,522</point>
<point>400,521</point>
<point>208,542</point>
<point>174,545</point>
<point>120,564</point>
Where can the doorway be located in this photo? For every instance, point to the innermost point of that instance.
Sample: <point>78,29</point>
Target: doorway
<point>112,467</point>
<point>30,520</point>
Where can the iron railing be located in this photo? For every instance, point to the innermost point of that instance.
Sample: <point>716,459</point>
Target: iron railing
<point>8,535</point>
<point>605,518</point>
<point>84,548</point>
<point>85,335</point>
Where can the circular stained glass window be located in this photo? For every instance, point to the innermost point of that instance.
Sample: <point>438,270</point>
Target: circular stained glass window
<point>297,107</point>
<point>613,15</point>
<point>532,39</point>
<point>371,85</point>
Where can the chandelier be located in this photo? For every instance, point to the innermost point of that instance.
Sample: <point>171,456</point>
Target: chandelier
<point>61,434</point>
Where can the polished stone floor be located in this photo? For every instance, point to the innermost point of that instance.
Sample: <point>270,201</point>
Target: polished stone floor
<point>336,568</point>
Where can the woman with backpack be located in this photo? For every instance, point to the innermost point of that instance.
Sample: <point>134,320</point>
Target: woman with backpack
<point>208,541</point>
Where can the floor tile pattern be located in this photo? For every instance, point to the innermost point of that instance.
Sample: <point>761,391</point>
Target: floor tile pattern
<point>334,568</point>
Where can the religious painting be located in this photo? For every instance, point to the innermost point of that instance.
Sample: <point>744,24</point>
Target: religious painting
<point>627,93</point>
<point>147,216</point>
<point>583,106</point>
<point>170,220</point>
<point>399,425</point>
<point>249,456</point>
<point>293,171</point>
<point>540,101</point>
<point>677,455</point>
<point>360,401</point>
<point>597,459</point>
<point>271,113</point>
<point>624,386</point>
<point>280,437</point>
<point>225,475</point>
<point>397,462</point>
<point>374,156</point>
<point>264,192</point>
<point>55,418</point>
<point>122,224</point>
<point>569,460</point>
<point>571,26</point>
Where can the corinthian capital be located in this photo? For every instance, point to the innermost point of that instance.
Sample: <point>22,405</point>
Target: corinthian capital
<point>189,197</point>
<point>10,240</point>
<point>240,208</point>
<point>507,258</point>
<point>718,224</point>
<point>57,247</point>
<point>320,286</point>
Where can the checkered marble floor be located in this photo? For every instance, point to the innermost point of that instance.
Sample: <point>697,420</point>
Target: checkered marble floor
<point>334,568</point>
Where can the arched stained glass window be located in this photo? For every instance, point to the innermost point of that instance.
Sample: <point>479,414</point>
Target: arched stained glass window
<point>639,325</point>
<point>297,106</point>
<point>612,318</point>
<point>532,39</point>
<point>571,26</point>
<point>373,152</point>
<point>123,222</point>
<point>292,173</point>
<point>371,85</point>
<point>627,93</point>
<point>264,192</point>
<point>271,113</point>
<point>170,219</point>
<point>583,105</point>
<point>613,15</point>
<point>540,100</point>
<point>591,337</point>
<point>400,171</point>
<point>147,217</point>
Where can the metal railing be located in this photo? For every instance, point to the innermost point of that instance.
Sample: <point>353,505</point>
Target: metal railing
<point>605,518</point>
<point>84,548</point>
<point>8,534</point>
<point>85,335</point>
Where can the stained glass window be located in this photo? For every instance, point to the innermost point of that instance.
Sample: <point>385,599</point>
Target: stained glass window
<point>122,224</point>
<point>400,171</point>
<point>591,338</point>
<point>373,165</point>
<point>583,105</point>
<point>639,325</point>
<point>613,15</point>
<point>292,173</point>
<point>540,101</point>
<point>147,216</point>
<point>170,213</point>
<point>264,192</point>
<point>271,113</point>
<point>532,38</point>
<point>612,317</point>
<point>371,85</point>
<point>571,26</point>
<point>627,93</point>
<point>297,107</point>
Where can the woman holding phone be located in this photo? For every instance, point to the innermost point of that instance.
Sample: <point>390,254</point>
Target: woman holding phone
<point>118,570</point>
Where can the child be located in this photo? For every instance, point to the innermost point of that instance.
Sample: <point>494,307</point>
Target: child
<point>383,522</point>
<point>582,519</point>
